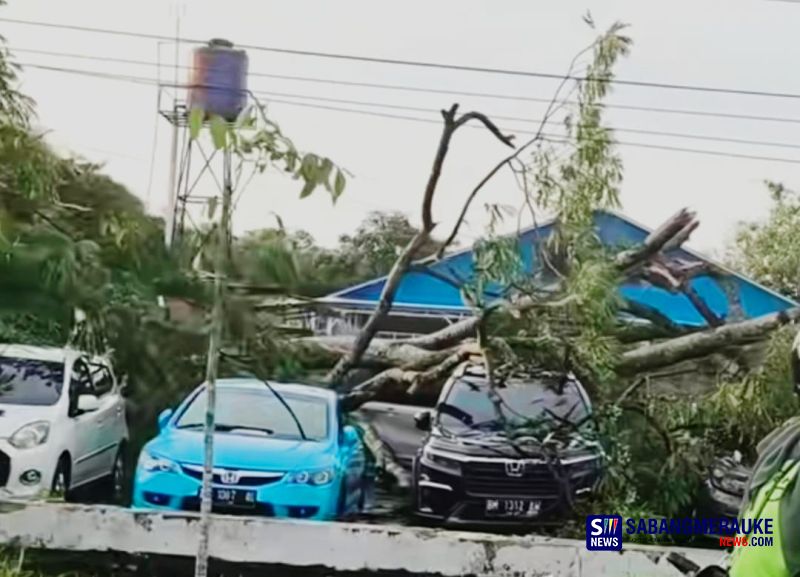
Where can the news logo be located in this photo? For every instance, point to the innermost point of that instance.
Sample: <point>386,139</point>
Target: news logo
<point>604,533</point>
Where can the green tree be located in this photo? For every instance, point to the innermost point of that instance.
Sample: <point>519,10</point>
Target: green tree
<point>769,251</point>
<point>293,260</point>
<point>377,243</point>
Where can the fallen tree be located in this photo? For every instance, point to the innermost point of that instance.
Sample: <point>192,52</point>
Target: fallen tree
<point>422,361</point>
<point>565,311</point>
<point>572,189</point>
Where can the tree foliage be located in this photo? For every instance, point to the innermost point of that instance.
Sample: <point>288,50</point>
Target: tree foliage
<point>769,251</point>
<point>293,259</point>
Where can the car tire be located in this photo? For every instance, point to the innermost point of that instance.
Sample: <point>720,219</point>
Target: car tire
<point>59,486</point>
<point>414,484</point>
<point>115,489</point>
<point>362,497</point>
<point>341,505</point>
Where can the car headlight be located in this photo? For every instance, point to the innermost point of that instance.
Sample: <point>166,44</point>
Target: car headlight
<point>154,463</point>
<point>727,481</point>
<point>439,461</point>
<point>316,478</point>
<point>584,473</point>
<point>31,435</point>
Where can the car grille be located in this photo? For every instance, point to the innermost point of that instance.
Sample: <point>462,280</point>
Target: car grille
<point>491,479</point>
<point>245,478</point>
<point>5,468</point>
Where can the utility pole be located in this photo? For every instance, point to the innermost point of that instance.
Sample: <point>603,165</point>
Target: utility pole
<point>169,229</point>
<point>221,252</point>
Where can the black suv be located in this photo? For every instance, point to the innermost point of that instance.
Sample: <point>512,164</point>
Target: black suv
<point>523,456</point>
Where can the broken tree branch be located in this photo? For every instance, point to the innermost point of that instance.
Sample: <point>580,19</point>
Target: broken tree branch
<point>672,234</point>
<point>413,381</point>
<point>554,106</point>
<point>699,344</point>
<point>401,265</point>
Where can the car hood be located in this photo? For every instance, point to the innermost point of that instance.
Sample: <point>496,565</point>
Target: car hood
<point>237,451</point>
<point>12,417</point>
<point>497,446</point>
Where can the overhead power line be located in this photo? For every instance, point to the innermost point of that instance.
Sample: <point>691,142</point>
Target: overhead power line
<point>414,63</point>
<point>690,136</point>
<point>423,89</point>
<point>552,137</point>
<point>555,138</point>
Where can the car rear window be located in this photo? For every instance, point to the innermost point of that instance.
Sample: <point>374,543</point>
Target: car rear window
<point>261,409</point>
<point>30,381</point>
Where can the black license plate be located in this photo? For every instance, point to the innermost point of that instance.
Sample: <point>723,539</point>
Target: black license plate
<point>234,498</point>
<point>524,508</point>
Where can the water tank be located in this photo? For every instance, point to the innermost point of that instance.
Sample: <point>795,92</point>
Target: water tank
<point>219,79</point>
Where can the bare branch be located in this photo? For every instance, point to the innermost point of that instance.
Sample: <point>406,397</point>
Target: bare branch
<point>678,226</point>
<point>701,306</point>
<point>552,108</point>
<point>507,140</point>
<point>403,262</point>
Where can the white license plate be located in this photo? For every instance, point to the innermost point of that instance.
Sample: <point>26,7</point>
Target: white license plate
<point>234,498</point>
<point>513,508</point>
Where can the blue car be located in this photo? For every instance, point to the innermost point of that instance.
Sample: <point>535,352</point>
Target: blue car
<point>281,450</point>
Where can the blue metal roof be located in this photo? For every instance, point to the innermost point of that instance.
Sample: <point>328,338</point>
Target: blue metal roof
<point>426,289</point>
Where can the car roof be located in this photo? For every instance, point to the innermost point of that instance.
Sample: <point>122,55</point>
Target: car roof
<point>49,354</point>
<point>296,388</point>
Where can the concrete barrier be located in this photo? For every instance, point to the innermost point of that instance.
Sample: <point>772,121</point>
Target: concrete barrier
<point>338,546</point>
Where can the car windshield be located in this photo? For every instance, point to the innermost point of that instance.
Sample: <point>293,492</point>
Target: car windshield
<point>30,381</point>
<point>531,403</point>
<point>259,411</point>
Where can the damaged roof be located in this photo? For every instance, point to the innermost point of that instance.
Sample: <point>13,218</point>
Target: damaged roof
<point>432,288</point>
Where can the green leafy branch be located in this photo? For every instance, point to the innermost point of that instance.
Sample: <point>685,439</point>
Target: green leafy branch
<point>256,139</point>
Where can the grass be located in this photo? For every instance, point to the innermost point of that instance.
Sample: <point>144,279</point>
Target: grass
<point>15,563</point>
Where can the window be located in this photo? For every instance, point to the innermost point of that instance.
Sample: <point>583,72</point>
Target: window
<point>79,384</point>
<point>30,381</point>
<point>254,410</point>
<point>535,402</point>
<point>102,381</point>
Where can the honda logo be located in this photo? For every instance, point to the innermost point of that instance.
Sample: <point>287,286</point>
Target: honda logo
<point>229,477</point>
<point>515,468</point>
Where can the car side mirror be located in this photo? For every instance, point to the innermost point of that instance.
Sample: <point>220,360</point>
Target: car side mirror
<point>88,403</point>
<point>422,420</point>
<point>163,418</point>
<point>350,436</point>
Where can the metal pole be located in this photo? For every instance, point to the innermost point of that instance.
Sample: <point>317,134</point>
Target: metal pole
<point>214,344</point>
<point>169,229</point>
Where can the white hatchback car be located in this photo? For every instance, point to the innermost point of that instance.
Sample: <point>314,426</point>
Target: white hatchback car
<point>62,422</point>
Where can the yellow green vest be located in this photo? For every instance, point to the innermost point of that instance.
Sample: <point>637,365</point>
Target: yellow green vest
<point>766,561</point>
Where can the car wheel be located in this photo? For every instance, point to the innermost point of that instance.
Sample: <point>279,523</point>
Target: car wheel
<point>362,496</point>
<point>116,482</point>
<point>341,508</point>
<point>59,487</point>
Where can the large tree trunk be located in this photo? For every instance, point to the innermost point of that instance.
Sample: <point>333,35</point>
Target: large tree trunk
<point>406,364</point>
<point>699,344</point>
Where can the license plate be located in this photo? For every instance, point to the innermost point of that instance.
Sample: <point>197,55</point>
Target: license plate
<point>512,507</point>
<point>234,498</point>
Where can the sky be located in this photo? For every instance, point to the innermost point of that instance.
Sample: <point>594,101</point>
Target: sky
<point>741,44</point>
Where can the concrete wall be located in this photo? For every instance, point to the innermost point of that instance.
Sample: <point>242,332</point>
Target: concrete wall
<point>339,546</point>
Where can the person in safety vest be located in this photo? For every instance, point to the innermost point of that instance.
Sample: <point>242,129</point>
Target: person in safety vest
<point>773,492</point>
